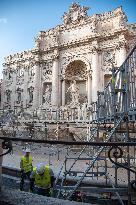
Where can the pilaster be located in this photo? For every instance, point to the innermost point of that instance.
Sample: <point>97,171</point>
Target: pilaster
<point>55,79</point>
<point>37,85</point>
<point>121,52</point>
<point>89,86</point>
<point>63,92</point>
<point>13,95</point>
<point>25,87</point>
<point>95,74</point>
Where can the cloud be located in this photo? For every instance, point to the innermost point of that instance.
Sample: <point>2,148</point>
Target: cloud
<point>3,20</point>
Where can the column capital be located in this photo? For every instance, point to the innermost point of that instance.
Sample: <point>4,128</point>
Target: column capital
<point>4,71</point>
<point>37,63</point>
<point>89,72</point>
<point>121,45</point>
<point>62,77</point>
<point>96,50</point>
<point>95,47</point>
<point>26,67</point>
<point>55,55</point>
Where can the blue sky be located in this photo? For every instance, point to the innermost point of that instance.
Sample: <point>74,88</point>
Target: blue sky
<point>21,20</point>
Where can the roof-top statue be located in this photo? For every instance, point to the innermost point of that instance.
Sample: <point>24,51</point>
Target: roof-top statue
<point>75,14</point>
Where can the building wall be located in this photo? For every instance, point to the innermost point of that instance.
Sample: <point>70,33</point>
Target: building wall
<point>86,46</point>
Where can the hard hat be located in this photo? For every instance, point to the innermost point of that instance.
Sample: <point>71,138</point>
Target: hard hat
<point>40,168</point>
<point>27,150</point>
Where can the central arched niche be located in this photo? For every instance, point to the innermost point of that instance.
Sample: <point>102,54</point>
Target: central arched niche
<point>76,70</point>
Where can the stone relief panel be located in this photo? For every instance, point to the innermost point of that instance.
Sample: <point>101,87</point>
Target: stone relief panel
<point>47,72</point>
<point>108,60</point>
<point>20,72</point>
<point>31,73</point>
<point>105,26</point>
<point>19,75</point>
<point>76,34</point>
<point>19,81</point>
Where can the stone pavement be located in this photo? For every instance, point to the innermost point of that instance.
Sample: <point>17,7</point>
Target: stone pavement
<point>46,155</point>
<point>15,197</point>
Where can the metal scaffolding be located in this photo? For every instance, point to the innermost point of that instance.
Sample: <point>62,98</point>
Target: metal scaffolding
<point>111,119</point>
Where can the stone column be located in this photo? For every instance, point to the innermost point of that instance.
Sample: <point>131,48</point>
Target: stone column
<point>63,92</point>
<point>95,75</point>
<point>14,86</point>
<point>3,88</point>
<point>121,52</point>
<point>122,55</point>
<point>89,86</point>
<point>37,86</point>
<point>25,87</point>
<point>55,81</point>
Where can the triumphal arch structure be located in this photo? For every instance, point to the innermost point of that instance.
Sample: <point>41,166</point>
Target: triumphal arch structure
<point>70,62</point>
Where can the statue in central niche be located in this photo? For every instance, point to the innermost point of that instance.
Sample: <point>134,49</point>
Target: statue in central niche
<point>74,91</point>
<point>47,95</point>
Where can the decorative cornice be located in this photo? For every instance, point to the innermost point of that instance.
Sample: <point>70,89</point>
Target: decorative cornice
<point>121,44</point>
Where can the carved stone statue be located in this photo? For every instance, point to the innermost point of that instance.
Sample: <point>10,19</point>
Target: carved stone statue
<point>66,18</point>
<point>74,7</point>
<point>83,12</point>
<point>37,43</point>
<point>75,14</point>
<point>47,95</point>
<point>8,95</point>
<point>74,91</point>
<point>30,90</point>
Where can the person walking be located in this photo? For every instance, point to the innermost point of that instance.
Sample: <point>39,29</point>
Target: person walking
<point>42,178</point>
<point>26,168</point>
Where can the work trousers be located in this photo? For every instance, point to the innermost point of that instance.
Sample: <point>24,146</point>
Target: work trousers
<point>40,191</point>
<point>23,177</point>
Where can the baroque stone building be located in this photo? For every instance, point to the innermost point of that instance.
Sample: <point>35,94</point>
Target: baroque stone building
<point>70,62</point>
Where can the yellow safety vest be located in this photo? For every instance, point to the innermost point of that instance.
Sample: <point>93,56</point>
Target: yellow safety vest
<point>27,163</point>
<point>43,181</point>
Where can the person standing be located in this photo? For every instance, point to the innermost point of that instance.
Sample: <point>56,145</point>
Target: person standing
<point>43,179</point>
<point>26,168</point>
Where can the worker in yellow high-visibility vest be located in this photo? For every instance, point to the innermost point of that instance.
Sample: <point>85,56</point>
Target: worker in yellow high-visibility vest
<point>43,178</point>
<point>26,167</point>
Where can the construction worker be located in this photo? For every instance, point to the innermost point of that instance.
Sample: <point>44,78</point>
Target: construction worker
<point>42,178</point>
<point>26,167</point>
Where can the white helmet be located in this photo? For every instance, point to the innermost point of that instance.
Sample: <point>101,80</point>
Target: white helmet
<point>27,150</point>
<point>40,168</point>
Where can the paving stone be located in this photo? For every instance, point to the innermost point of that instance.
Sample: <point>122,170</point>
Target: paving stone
<point>15,197</point>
